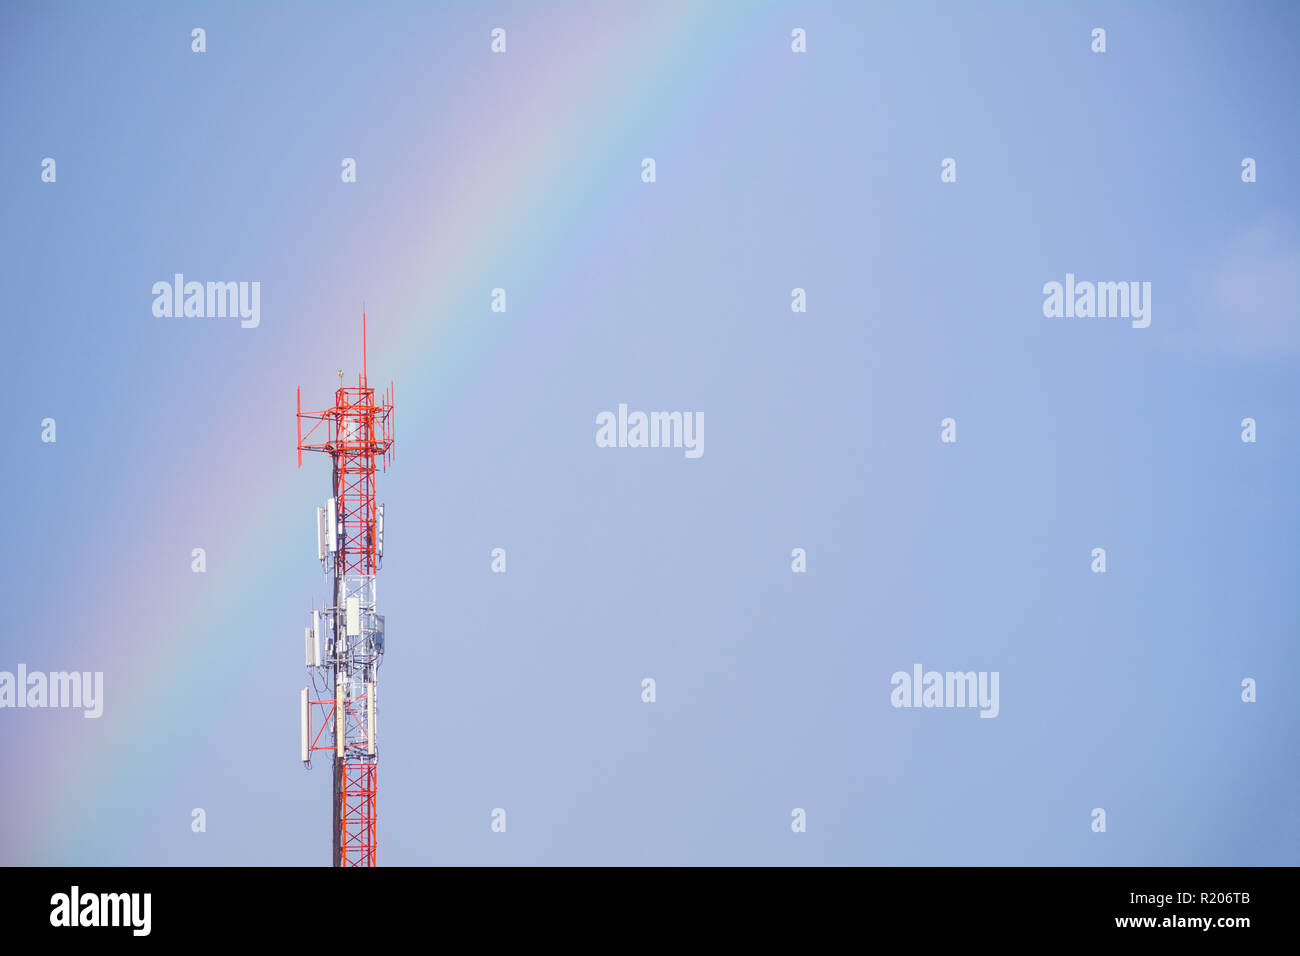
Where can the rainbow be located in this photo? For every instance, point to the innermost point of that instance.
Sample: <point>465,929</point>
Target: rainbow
<point>434,329</point>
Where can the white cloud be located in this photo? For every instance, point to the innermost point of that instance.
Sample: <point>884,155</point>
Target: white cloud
<point>1255,295</point>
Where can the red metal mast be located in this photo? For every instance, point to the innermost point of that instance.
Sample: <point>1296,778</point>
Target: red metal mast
<point>345,642</point>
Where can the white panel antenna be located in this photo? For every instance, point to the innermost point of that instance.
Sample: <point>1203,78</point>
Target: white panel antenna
<point>370,715</point>
<point>306,753</point>
<point>340,717</point>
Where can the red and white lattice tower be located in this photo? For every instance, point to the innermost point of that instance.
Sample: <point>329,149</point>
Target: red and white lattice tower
<point>345,642</point>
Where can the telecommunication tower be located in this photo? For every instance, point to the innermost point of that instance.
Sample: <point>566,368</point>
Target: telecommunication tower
<point>345,642</point>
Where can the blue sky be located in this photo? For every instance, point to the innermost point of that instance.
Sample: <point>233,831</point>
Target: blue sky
<point>775,170</point>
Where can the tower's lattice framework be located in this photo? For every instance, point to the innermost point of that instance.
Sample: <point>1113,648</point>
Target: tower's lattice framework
<point>345,642</point>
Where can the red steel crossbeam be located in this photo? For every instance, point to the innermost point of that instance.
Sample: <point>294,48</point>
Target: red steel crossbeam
<point>354,712</point>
